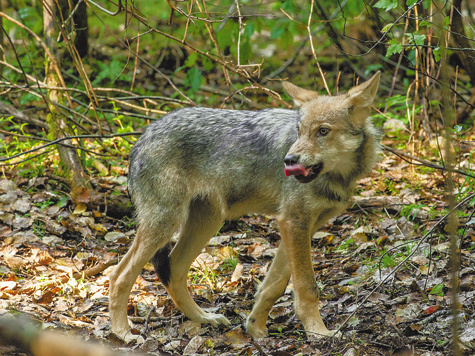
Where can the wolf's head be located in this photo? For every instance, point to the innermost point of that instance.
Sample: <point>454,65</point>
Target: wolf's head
<point>331,131</point>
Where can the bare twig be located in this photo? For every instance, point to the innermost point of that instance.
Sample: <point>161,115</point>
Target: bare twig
<point>422,162</point>
<point>259,348</point>
<point>10,110</point>
<point>101,266</point>
<point>313,48</point>
<point>301,45</point>
<point>110,13</point>
<point>400,264</point>
<point>42,44</point>
<point>252,87</point>
<point>57,141</point>
<point>388,29</point>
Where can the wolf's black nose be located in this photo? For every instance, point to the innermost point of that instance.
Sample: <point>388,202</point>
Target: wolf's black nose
<point>291,159</point>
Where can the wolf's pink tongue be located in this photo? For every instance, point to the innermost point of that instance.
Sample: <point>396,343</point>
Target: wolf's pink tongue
<point>296,170</point>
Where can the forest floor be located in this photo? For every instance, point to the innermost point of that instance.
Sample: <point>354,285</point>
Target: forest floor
<point>56,259</point>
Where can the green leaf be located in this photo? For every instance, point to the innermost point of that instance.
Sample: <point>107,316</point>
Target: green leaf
<point>424,23</point>
<point>287,39</point>
<point>276,31</point>
<point>437,54</point>
<point>193,79</point>
<point>288,6</point>
<point>446,22</point>
<point>438,290</point>
<point>410,3</point>
<point>62,202</point>
<point>191,60</point>
<point>394,47</point>
<point>386,4</point>
<point>416,39</point>
<point>248,30</point>
<point>387,27</point>
<point>225,37</point>
<point>372,68</point>
<point>208,65</point>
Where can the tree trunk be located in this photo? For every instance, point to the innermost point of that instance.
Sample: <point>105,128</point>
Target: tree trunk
<point>75,12</point>
<point>58,126</point>
<point>461,40</point>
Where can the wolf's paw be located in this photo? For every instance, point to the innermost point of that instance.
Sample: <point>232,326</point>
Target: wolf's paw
<point>128,337</point>
<point>257,333</point>
<point>254,329</point>
<point>323,333</point>
<point>215,319</point>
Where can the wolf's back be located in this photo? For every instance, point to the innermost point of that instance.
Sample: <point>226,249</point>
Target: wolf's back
<point>214,144</point>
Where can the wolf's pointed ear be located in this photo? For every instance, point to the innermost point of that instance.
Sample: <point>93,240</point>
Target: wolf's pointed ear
<point>361,97</point>
<point>299,95</point>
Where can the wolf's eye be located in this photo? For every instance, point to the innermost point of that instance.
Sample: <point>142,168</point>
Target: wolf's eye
<point>323,131</point>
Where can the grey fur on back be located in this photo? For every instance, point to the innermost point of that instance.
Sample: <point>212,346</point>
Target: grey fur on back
<point>215,144</point>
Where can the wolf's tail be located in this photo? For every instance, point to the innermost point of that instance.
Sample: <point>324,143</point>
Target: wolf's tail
<point>161,263</point>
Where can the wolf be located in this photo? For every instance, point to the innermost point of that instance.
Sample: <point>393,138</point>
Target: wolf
<point>196,167</point>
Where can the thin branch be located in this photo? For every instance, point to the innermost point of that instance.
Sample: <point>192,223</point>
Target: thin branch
<point>380,40</point>
<point>313,48</point>
<point>126,46</point>
<point>26,159</point>
<point>101,266</point>
<point>400,264</point>
<point>10,110</point>
<point>110,13</point>
<point>69,138</point>
<point>42,44</point>
<point>422,162</point>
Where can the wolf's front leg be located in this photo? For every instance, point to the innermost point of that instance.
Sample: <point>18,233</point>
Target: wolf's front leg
<point>297,239</point>
<point>269,291</point>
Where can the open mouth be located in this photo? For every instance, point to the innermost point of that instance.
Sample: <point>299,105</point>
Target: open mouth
<point>303,174</point>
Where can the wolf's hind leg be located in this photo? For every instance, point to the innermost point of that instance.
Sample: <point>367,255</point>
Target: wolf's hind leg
<point>203,222</point>
<point>124,275</point>
<point>269,291</point>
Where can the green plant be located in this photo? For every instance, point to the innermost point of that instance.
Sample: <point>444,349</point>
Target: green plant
<point>203,274</point>
<point>278,333</point>
<point>111,72</point>
<point>388,261</point>
<point>230,263</point>
<point>38,228</point>
<point>45,204</point>
<point>410,211</point>
<point>345,244</point>
<point>437,290</point>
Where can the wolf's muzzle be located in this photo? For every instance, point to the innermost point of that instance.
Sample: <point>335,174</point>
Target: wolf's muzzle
<point>301,173</point>
<point>292,159</point>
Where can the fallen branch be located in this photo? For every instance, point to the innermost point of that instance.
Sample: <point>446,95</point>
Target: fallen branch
<point>10,110</point>
<point>463,202</point>
<point>57,141</point>
<point>422,162</point>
